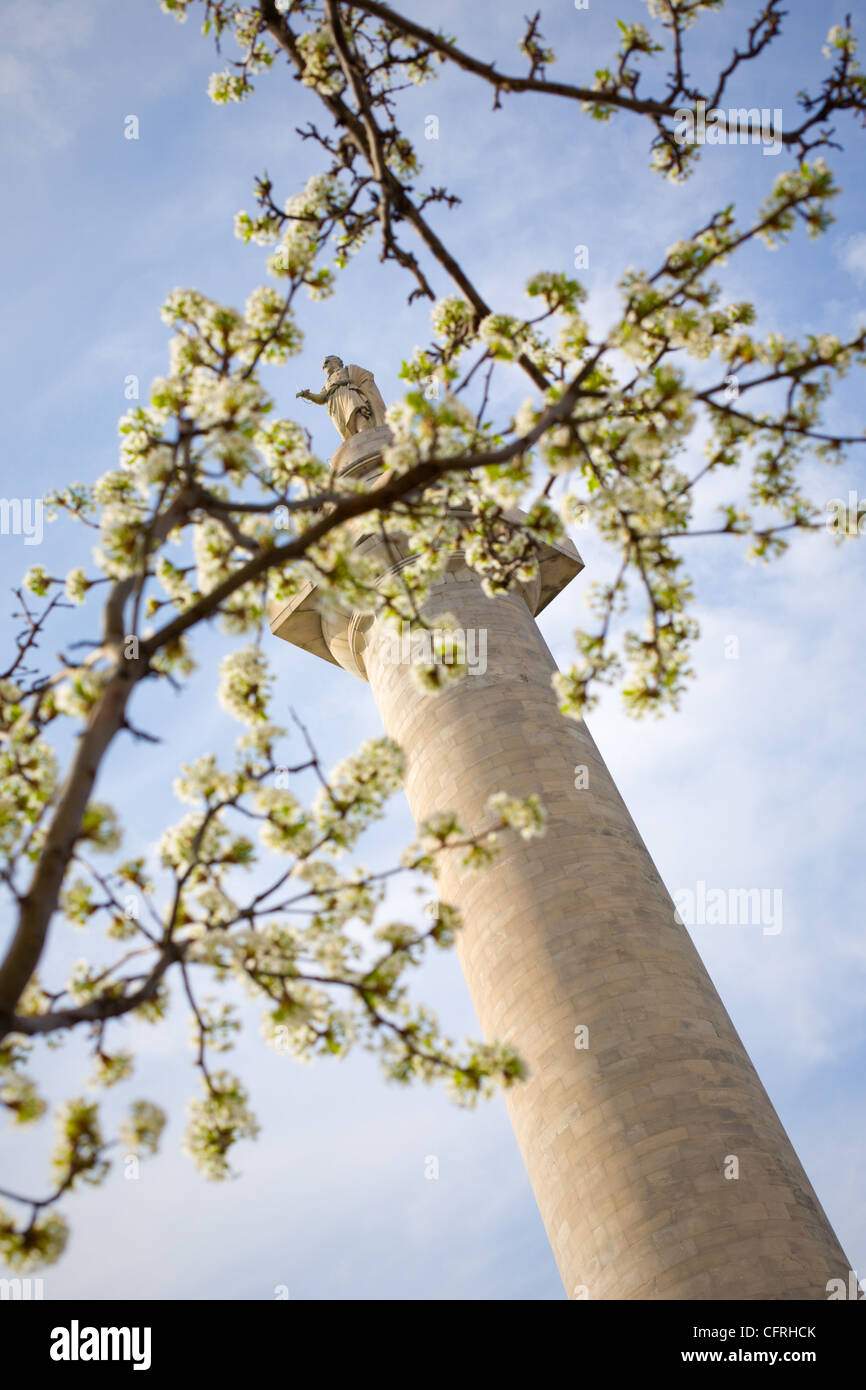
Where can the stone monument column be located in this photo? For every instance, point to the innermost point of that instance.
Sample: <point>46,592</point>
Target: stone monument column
<point>640,1091</point>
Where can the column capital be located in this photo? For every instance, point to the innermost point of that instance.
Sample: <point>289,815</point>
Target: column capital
<point>333,633</point>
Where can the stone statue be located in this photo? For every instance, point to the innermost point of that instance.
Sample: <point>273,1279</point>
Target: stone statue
<point>351,395</point>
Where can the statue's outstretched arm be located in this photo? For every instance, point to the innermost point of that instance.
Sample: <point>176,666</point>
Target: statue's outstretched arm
<point>317,397</point>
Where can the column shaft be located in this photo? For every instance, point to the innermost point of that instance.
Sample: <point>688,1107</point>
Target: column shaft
<point>625,1141</point>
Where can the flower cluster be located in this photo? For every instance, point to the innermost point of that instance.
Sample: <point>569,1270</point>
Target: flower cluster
<point>216,1122</point>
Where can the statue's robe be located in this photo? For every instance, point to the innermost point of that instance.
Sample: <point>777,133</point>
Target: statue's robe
<point>354,400</point>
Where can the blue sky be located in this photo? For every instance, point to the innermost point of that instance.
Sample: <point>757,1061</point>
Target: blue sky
<point>757,782</point>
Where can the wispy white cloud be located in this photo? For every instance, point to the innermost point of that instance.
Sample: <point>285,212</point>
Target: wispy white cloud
<point>853,256</point>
